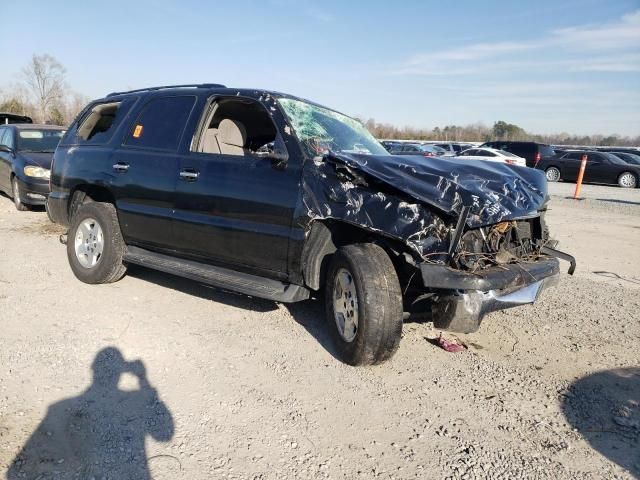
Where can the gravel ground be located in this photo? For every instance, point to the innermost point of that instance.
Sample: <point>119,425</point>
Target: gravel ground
<point>156,376</point>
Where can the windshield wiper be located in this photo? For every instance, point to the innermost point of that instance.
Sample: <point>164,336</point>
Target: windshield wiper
<point>37,151</point>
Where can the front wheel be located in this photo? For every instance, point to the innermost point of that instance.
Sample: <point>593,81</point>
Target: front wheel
<point>363,303</point>
<point>94,244</point>
<point>17,196</point>
<point>627,180</point>
<point>553,174</point>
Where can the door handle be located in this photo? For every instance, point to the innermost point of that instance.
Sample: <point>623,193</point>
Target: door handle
<point>121,167</point>
<point>189,174</point>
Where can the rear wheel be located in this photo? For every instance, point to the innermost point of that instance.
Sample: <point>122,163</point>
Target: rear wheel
<point>628,180</point>
<point>17,196</point>
<point>363,304</point>
<point>553,174</point>
<point>94,244</point>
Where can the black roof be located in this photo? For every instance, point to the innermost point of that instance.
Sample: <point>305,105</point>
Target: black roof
<point>7,117</point>
<point>217,88</point>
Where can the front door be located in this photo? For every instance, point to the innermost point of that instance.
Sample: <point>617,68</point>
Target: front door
<point>233,205</point>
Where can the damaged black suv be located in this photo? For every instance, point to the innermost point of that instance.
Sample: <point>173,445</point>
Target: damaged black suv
<point>276,197</point>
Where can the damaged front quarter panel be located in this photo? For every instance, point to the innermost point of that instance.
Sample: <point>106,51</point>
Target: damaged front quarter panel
<point>333,190</point>
<point>416,200</point>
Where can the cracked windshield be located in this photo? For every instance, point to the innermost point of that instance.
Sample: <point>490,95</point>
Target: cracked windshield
<point>321,130</point>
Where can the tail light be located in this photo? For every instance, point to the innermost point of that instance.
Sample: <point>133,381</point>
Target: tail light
<point>429,154</point>
<point>509,161</point>
<point>537,159</point>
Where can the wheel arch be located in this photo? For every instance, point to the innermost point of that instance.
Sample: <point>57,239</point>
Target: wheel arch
<point>326,236</point>
<point>84,193</point>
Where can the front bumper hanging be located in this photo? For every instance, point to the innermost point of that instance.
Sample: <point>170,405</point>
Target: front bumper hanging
<point>468,297</point>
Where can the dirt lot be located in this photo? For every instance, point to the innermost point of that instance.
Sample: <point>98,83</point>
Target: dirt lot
<point>242,388</point>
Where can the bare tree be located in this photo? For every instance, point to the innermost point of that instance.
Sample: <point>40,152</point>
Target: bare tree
<point>45,78</point>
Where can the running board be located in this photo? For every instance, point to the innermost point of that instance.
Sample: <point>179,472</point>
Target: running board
<point>218,276</point>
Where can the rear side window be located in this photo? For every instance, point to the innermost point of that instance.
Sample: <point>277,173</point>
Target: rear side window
<point>98,123</point>
<point>520,149</point>
<point>161,123</point>
<point>546,151</point>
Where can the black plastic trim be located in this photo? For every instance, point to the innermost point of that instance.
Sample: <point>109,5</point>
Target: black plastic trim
<point>493,278</point>
<point>218,276</point>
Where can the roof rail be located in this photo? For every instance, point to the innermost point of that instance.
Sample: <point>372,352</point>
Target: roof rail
<point>150,89</point>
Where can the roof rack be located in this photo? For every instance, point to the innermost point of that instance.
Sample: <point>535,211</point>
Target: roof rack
<point>151,89</point>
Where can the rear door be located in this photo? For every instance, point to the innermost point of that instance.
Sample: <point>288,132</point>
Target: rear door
<point>570,165</point>
<point>236,209</point>
<point>145,170</point>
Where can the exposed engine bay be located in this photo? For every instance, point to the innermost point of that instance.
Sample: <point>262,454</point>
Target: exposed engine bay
<point>500,244</point>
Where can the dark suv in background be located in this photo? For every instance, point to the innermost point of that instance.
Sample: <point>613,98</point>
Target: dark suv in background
<point>532,152</point>
<point>277,197</point>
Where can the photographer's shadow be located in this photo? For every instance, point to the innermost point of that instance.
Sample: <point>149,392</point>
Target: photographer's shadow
<point>100,433</point>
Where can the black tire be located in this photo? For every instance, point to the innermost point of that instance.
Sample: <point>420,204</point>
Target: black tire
<point>552,174</point>
<point>628,180</point>
<point>17,196</point>
<point>379,304</point>
<point>109,267</point>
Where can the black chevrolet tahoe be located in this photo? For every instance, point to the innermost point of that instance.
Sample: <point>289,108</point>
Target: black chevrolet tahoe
<point>277,197</point>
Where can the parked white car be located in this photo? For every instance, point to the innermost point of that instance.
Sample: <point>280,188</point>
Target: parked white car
<point>492,155</point>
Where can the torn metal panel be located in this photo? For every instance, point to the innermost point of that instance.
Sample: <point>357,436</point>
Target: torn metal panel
<point>494,191</point>
<point>332,192</point>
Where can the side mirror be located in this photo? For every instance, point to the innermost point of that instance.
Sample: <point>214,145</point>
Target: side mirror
<point>4,148</point>
<point>277,153</point>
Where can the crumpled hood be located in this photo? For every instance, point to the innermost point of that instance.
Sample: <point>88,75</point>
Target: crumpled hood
<point>495,191</point>
<point>38,159</point>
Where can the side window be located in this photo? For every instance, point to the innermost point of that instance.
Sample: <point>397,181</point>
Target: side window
<point>486,153</point>
<point>7,138</point>
<point>161,123</point>
<point>546,151</point>
<point>239,127</point>
<point>2,133</point>
<point>98,122</point>
<point>520,150</point>
<point>470,153</point>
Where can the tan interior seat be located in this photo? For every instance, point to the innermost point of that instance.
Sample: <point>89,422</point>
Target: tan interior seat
<point>232,137</point>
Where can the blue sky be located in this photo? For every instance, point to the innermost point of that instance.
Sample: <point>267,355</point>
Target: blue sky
<point>548,66</point>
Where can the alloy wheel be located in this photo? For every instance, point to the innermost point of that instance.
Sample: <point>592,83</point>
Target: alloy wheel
<point>345,305</point>
<point>89,243</point>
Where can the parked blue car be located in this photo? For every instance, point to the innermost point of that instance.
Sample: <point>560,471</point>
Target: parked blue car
<point>26,151</point>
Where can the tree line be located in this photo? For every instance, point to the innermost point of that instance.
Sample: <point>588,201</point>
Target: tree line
<point>500,130</point>
<point>43,94</point>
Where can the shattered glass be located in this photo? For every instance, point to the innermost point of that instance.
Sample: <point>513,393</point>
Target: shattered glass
<point>321,130</point>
